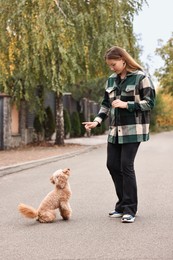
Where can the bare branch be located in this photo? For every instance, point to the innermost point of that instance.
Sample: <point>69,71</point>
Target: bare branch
<point>56,2</point>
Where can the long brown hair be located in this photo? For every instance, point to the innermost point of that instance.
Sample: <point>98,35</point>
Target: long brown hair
<point>116,53</point>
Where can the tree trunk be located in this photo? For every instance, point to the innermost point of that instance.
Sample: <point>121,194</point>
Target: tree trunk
<point>59,120</point>
<point>88,117</point>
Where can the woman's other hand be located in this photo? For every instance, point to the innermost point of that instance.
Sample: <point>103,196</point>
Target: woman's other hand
<point>119,103</point>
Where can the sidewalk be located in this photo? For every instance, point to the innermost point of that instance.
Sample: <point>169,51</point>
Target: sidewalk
<point>18,159</point>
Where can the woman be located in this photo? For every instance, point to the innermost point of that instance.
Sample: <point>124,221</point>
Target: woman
<point>129,97</point>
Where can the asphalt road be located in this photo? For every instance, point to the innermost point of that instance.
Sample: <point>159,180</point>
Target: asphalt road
<point>90,234</point>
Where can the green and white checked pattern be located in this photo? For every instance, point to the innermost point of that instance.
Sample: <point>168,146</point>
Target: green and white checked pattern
<point>131,124</point>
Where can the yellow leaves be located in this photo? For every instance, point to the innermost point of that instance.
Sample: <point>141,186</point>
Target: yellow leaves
<point>7,63</point>
<point>165,117</point>
<point>86,59</point>
<point>2,64</point>
<point>12,48</point>
<point>60,42</point>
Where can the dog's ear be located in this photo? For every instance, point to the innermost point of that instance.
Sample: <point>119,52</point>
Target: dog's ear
<point>66,171</point>
<point>52,180</point>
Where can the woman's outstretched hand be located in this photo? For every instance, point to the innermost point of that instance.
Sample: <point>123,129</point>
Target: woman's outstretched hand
<point>89,125</point>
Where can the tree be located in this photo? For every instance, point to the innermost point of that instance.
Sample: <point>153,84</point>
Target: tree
<point>99,25</point>
<point>53,44</point>
<point>162,115</point>
<point>35,37</point>
<point>165,73</point>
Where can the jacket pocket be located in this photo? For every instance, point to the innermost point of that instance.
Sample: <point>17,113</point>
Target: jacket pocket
<point>129,90</point>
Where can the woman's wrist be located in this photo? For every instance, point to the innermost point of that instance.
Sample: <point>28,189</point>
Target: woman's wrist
<point>97,123</point>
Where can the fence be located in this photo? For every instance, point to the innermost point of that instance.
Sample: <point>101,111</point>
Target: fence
<point>25,117</point>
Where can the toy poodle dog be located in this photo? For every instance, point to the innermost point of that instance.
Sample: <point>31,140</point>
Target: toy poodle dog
<point>58,198</point>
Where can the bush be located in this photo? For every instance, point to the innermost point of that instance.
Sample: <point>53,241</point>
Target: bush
<point>98,130</point>
<point>49,123</point>
<point>38,127</point>
<point>82,119</point>
<point>67,123</point>
<point>75,125</point>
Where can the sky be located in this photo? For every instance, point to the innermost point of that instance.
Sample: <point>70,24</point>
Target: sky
<point>154,22</point>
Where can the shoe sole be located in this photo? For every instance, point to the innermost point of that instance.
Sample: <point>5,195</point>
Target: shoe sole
<point>128,221</point>
<point>115,216</point>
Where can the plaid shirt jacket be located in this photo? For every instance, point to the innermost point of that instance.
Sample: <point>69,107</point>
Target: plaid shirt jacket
<point>129,125</point>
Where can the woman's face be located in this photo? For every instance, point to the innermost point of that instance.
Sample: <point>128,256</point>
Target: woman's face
<point>118,66</point>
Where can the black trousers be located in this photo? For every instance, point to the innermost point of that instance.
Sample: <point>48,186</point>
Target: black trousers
<point>120,163</point>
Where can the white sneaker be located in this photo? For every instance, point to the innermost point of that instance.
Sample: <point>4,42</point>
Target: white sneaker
<point>127,218</point>
<point>115,214</point>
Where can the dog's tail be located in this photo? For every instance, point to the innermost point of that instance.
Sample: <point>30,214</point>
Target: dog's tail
<point>27,211</point>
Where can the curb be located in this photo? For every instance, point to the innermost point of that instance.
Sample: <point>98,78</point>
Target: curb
<point>31,164</point>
